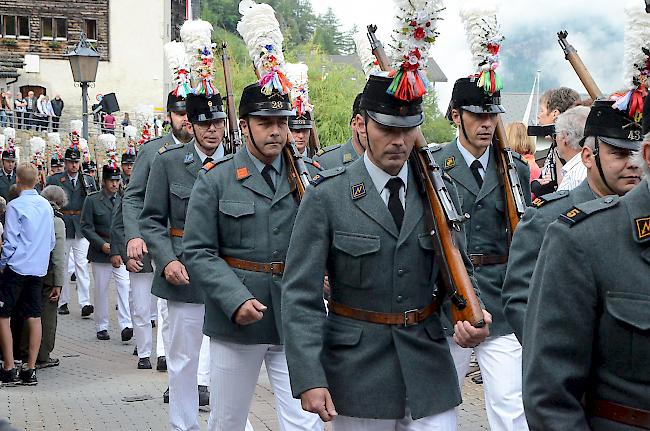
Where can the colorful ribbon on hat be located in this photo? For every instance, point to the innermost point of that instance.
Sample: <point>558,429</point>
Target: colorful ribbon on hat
<point>274,79</point>
<point>409,81</point>
<point>632,102</point>
<point>183,88</point>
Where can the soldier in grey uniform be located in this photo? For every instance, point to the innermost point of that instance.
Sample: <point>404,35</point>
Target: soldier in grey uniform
<point>301,127</point>
<point>96,219</point>
<point>162,223</point>
<point>56,164</point>
<point>239,220</point>
<point>471,162</point>
<point>380,358</point>
<point>617,175</point>
<point>587,326</point>
<point>8,174</point>
<point>340,155</point>
<point>77,186</point>
<point>128,159</point>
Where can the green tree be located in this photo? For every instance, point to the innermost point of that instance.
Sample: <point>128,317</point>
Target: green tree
<point>436,128</point>
<point>328,34</point>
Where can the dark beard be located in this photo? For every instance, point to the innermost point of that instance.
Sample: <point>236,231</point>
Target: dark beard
<point>182,134</point>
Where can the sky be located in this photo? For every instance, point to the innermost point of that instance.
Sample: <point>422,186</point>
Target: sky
<point>595,29</point>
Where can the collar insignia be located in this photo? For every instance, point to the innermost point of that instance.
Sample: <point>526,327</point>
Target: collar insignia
<point>358,191</point>
<point>450,162</point>
<point>642,228</point>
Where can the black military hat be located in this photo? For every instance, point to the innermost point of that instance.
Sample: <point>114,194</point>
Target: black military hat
<point>202,108</point>
<point>303,121</point>
<point>110,172</point>
<point>72,154</point>
<point>128,158</point>
<point>175,103</point>
<point>613,126</point>
<point>9,154</point>
<point>467,96</point>
<point>254,102</point>
<point>385,108</point>
<point>56,161</point>
<point>87,167</point>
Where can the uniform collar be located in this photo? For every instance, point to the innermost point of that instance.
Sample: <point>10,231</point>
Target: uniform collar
<point>380,177</point>
<point>469,157</point>
<point>259,165</point>
<point>219,153</point>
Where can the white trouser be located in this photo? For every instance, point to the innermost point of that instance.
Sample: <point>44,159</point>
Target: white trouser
<point>234,373</point>
<point>77,250</point>
<point>70,263</point>
<point>445,421</point>
<point>500,361</point>
<point>162,332</point>
<point>141,310</point>
<point>154,307</point>
<point>203,374</point>
<point>102,276</point>
<point>185,336</point>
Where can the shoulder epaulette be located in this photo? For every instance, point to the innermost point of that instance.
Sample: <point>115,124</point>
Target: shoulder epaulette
<point>540,201</point>
<point>93,193</point>
<point>585,209</point>
<point>208,166</point>
<point>327,149</point>
<point>313,162</point>
<point>435,147</point>
<point>328,173</point>
<point>517,156</point>
<point>170,146</point>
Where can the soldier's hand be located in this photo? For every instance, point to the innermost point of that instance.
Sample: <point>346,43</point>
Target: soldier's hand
<point>106,248</point>
<point>319,401</point>
<point>55,294</point>
<point>136,248</point>
<point>249,312</point>
<point>465,335</point>
<point>176,273</point>
<point>133,265</point>
<point>116,261</point>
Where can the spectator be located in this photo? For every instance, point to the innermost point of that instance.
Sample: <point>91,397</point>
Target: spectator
<point>20,107</point>
<point>554,102</point>
<point>125,122</point>
<point>29,239</point>
<point>9,108</point>
<point>57,111</point>
<point>109,123</point>
<point>569,131</point>
<point>30,108</point>
<point>44,113</point>
<point>3,113</point>
<point>518,140</point>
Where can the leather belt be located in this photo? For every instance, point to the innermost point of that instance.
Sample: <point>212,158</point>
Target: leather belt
<point>178,233</point>
<point>407,318</point>
<point>70,212</point>
<point>488,259</point>
<point>276,268</point>
<point>620,413</point>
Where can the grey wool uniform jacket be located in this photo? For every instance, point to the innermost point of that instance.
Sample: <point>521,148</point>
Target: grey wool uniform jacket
<point>587,327</point>
<point>96,219</point>
<point>344,228</point>
<point>170,183</point>
<point>76,197</point>
<point>118,244</point>
<point>336,155</point>
<point>5,184</point>
<point>486,228</point>
<point>234,213</point>
<point>525,247</point>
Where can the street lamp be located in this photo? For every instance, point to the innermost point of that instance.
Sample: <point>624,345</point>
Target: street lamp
<point>83,62</point>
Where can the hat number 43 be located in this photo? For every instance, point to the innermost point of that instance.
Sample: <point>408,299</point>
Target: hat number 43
<point>634,135</point>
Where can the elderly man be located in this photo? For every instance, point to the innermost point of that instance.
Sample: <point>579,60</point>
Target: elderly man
<point>569,131</point>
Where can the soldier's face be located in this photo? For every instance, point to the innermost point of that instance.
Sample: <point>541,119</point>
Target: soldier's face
<point>57,169</point>
<point>72,167</point>
<point>479,128</point>
<point>181,128</point>
<point>389,147</point>
<point>127,168</point>
<point>270,135</point>
<point>111,186</point>
<point>620,170</point>
<point>209,134</point>
<point>8,165</point>
<point>301,137</point>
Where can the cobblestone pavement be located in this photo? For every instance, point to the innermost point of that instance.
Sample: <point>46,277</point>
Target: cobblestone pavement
<point>93,386</point>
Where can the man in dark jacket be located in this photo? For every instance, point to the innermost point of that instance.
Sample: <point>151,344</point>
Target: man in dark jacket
<point>57,107</point>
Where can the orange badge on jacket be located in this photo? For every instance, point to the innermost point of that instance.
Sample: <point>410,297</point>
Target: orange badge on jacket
<point>242,173</point>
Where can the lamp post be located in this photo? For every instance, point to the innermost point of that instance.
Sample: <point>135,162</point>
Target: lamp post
<point>83,62</point>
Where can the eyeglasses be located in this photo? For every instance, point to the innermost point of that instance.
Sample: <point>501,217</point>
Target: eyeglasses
<point>218,124</point>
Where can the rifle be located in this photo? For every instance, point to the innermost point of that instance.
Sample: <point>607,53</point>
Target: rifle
<point>234,134</point>
<point>314,142</point>
<point>442,221</point>
<point>571,54</point>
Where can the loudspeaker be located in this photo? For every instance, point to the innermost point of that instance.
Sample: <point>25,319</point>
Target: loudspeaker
<point>109,103</point>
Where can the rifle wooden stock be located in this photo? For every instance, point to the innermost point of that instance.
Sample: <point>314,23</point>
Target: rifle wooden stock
<point>378,49</point>
<point>442,220</point>
<point>299,177</point>
<point>571,54</point>
<point>514,197</point>
<point>314,142</point>
<point>234,134</point>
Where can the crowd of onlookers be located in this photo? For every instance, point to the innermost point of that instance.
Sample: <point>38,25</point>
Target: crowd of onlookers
<point>30,113</point>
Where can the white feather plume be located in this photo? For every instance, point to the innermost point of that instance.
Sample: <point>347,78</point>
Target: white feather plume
<point>637,37</point>
<point>364,51</point>
<point>9,133</point>
<point>297,75</point>
<point>415,28</point>
<point>76,126</point>
<point>131,132</point>
<point>479,18</point>
<point>197,37</point>
<point>83,145</point>
<point>3,141</point>
<point>196,34</point>
<point>107,141</point>
<point>54,138</point>
<point>179,67</point>
<point>37,145</point>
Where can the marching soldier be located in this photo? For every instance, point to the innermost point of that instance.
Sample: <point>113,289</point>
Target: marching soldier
<point>340,155</point>
<point>301,128</point>
<point>383,338</point>
<point>56,164</point>
<point>239,220</point>
<point>128,159</point>
<point>8,175</point>
<point>610,171</point>
<point>77,186</point>
<point>586,328</point>
<point>471,162</point>
<point>162,222</point>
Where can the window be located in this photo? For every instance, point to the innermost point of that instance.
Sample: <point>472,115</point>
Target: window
<point>91,29</point>
<point>15,26</point>
<point>54,28</point>
<point>23,26</point>
<point>9,29</point>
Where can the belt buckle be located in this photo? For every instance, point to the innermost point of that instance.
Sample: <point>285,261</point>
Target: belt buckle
<point>275,267</point>
<point>411,317</point>
<point>475,257</point>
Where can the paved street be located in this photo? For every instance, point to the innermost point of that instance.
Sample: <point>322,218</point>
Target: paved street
<point>97,383</point>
